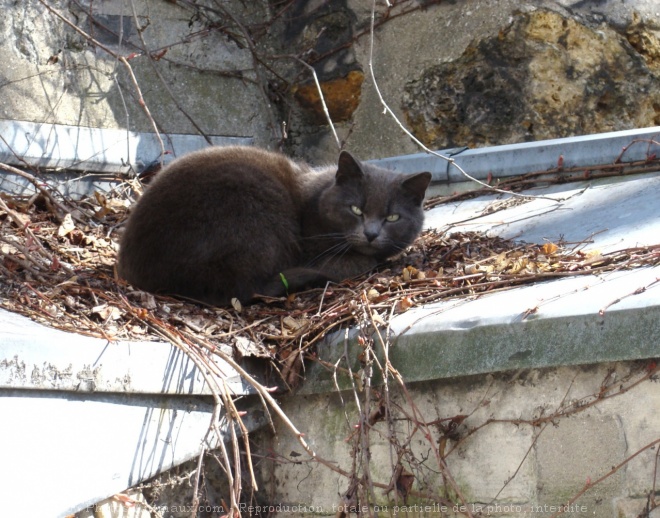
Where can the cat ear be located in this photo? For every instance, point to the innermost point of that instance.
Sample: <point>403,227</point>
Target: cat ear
<point>416,186</point>
<point>348,168</point>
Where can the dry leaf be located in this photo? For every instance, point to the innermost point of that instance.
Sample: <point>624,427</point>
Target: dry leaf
<point>518,265</point>
<point>246,347</point>
<point>404,483</point>
<point>107,312</point>
<point>291,323</point>
<point>373,294</point>
<point>403,304</point>
<point>7,249</point>
<point>66,227</point>
<point>471,269</point>
<point>377,318</point>
<point>409,272</point>
<point>549,248</point>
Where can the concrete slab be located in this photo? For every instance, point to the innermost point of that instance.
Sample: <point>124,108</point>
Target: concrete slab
<point>547,324</point>
<point>87,448</point>
<point>36,357</point>
<point>102,416</point>
<point>608,215</point>
<point>106,155</point>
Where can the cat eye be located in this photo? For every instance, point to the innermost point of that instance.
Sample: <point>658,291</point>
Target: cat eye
<point>392,217</point>
<point>356,210</point>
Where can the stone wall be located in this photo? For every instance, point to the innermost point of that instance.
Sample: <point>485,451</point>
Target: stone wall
<point>470,73</point>
<point>483,73</point>
<point>518,444</point>
<point>198,79</point>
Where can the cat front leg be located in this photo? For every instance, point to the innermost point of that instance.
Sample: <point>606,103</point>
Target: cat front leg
<point>293,280</point>
<point>347,266</point>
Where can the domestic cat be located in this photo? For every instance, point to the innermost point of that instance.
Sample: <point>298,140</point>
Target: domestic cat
<point>238,221</point>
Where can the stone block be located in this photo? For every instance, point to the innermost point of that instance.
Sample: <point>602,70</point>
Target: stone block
<point>575,453</point>
<point>634,508</point>
<point>492,465</point>
<point>541,76</point>
<point>641,424</point>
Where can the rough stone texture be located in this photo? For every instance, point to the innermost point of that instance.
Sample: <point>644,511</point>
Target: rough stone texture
<point>43,67</point>
<point>459,73</point>
<point>525,469</point>
<point>641,428</point>
<point>634,508</point>
<point>645,39</point>
<point>542,76</point>
<point>341,96</point>
<point>324,31</point>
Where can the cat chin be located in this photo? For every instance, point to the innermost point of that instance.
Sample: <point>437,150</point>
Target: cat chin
<point>367,250</point>
<point>372,250</point>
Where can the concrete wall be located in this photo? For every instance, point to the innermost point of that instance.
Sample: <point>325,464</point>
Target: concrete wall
<point>55,74</point>
<point>468,73</point>
<point>505,453</point>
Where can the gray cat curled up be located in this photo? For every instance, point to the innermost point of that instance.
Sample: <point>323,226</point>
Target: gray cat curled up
<point>229,222</point>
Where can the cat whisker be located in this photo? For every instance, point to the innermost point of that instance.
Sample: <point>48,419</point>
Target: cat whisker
<point>335,251</point>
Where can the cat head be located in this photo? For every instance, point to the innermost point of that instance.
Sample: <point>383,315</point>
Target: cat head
<point>378,212</point>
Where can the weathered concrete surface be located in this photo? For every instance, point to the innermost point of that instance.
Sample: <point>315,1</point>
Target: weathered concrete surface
<point>53,74</point>
<point>464,73</point>
<point>36,357</point>
<point>544,465</point>
<point>95,446</point>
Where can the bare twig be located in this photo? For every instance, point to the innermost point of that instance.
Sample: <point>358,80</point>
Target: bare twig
<point>450,160</point>
<point>322,98</point>
<point>121,59</point>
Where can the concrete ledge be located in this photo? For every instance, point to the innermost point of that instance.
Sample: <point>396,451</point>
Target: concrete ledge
<point>100,415</point>
<point>491,333</point>
<point>91,446</point>
<point>517,159</point>
<point>34,356</point>
<point>551,323</point>
<point>101,153</point>
<point>76,148</point>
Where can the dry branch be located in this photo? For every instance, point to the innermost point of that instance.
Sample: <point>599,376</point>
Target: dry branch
<point>85,297</point>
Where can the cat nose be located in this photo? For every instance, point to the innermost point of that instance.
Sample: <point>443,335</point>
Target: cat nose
<point>371,231</point>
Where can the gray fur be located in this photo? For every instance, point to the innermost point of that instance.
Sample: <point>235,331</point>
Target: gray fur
<point>226,222</point>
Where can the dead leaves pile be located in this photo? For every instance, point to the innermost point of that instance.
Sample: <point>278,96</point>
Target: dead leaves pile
<point>58,269</point>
